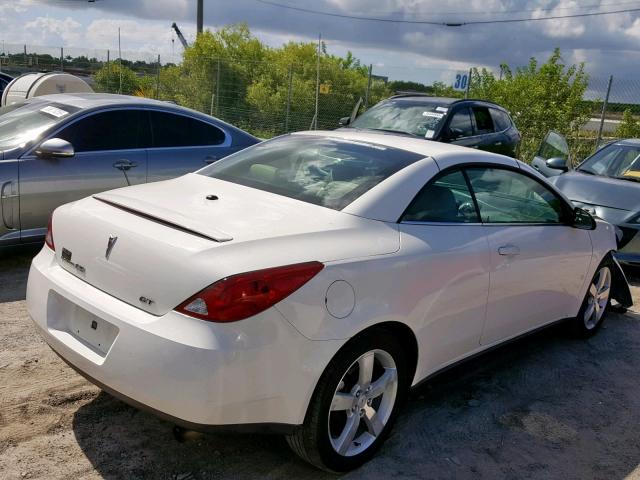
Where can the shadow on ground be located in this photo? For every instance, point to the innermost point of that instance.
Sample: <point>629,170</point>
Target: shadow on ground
<point>14,271</point>
<point>546,406</point>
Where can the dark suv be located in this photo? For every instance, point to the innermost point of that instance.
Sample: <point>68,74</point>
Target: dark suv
<point>470,123</point>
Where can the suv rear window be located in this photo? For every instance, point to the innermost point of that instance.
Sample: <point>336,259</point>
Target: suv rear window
<point>325,171</point>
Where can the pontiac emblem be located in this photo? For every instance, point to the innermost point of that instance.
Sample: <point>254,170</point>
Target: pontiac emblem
<point>112,241</point>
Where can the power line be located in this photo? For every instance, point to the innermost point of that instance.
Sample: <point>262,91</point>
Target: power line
<point>486,12</point>
<point>442,23</point>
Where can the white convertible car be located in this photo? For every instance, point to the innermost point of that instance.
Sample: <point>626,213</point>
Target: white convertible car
<point>303,285</point>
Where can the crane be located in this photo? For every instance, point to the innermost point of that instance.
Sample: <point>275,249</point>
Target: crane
<point>180,36</point>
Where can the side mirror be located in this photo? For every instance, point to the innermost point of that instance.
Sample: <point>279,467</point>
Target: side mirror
<point>583,220</point>
<point>55,148</point>
<point>344,121</point>
<point>558,163</point>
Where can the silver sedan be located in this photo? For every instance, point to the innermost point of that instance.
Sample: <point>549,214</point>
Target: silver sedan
<point>59,148</point>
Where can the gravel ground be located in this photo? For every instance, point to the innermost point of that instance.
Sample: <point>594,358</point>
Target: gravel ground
<point>544,407</point>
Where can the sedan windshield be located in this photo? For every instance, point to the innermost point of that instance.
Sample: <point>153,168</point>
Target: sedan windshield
<point>421,118</point>
<point>325,171</point>
<point>23,122</point>
<point>616,161</point>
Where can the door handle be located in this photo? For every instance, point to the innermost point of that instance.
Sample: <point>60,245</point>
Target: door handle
<point>8,223</point>
<point>497,144</point>
<point>508,250</point>
<point>124,165</point>
<point>536,167</point>
<point>209,159</point>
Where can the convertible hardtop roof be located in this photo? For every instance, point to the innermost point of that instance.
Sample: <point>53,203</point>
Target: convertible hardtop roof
<point>420,146</point>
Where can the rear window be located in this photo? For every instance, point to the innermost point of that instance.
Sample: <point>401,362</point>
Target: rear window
<point>325,171</point>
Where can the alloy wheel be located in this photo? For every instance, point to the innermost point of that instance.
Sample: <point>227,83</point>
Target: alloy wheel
<point>597,298</point>
<point>363,402</point>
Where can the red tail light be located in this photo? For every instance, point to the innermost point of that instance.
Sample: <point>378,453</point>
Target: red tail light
<point>48,240</point>
<point>247,294</point>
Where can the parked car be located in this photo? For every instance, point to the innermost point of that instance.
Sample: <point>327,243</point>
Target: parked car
<point>4,81</point>
<point>303,285</point>
<point>606,184</point>
<point>469,123</point>
<point>59,148</point>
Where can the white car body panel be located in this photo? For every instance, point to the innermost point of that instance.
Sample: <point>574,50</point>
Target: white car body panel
<point>524,294</point>
<point>445,282</point>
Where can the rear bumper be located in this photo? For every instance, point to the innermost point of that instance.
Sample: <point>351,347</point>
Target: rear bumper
<point>256,374</point>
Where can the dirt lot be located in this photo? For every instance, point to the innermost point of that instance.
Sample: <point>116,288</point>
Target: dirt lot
<point>545,407</point>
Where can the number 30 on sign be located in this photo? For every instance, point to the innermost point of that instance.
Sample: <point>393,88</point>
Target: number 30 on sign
<point>461,81</point>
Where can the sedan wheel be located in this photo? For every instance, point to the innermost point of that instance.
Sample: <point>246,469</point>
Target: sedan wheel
<point>355,403</point>
<point>597,298</point>
<point>596,303</point>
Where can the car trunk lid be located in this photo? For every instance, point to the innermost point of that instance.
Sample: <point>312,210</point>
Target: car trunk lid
<point>155,245</point>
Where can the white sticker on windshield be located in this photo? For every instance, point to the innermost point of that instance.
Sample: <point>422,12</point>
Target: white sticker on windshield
<point>433,114</point>
<point>442,109</point>
<point>430,134</point>
<point>56,112</point>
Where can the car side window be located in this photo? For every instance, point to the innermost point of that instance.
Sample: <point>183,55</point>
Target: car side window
<point>506,196</point>
<point>484,122</point>
<point>172,130</point>
<point>460,125</point>
<point>110,130</point>
<point>447,199</point>
<point>501,120</point>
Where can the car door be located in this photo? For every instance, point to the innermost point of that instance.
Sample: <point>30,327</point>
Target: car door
<point>538,261</point>
<point>554,145</point>
<point>446,259</point>
<point>9,202</point>
<point>459,129</point>
<point>484,131</point>
<point>108,153</point>
<point>507,142</point>
<point>183,144</point>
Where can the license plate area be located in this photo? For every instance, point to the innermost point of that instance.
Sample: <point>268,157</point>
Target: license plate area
<point>93,332</point>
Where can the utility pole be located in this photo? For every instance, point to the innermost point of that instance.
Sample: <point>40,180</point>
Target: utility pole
<point>199,17</point>
<point>315,118</point>
<point>119,62</point>
<point>604,112</point>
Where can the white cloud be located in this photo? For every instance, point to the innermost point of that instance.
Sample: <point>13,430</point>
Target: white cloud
<point>52,31</point>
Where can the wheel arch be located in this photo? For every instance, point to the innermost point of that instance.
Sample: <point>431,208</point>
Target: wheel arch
<point>620,291</point>
<point>399,330</point>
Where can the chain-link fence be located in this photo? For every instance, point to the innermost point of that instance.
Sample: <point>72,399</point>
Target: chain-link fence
<point>271,98</point>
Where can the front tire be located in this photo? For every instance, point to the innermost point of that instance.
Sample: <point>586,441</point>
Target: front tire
<point>355,403</point>
<point>596,303</point>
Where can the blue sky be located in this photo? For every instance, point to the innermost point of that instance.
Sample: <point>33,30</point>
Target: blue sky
<point>607,44</point>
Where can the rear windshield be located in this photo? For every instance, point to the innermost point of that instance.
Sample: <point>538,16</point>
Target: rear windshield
<point>324,171</point>
<point>23,122</point>
<point>421,118</point>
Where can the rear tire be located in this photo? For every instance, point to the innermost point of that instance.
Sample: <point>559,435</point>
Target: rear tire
<point>596,304</point>
<point>355,403</point>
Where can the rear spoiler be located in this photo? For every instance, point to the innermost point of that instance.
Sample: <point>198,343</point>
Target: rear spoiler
<point>151,212</point>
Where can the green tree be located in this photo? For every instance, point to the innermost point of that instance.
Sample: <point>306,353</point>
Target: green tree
<point>629,127</point>
<point>108,79</point>
<point>540,98</point>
